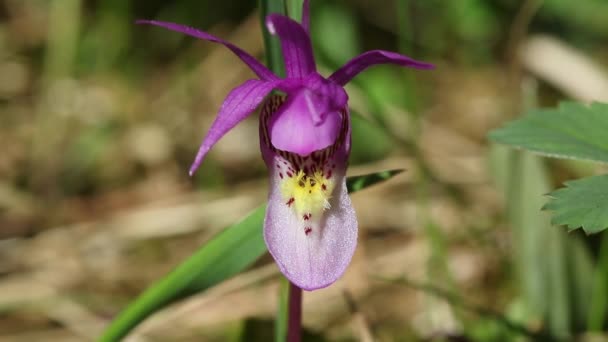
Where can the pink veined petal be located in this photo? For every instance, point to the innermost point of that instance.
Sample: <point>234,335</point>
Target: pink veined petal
<point>356,65</point>
<point>295,43</point>
<point>306,16</point>
<point>303,125</point>
<point>258,68</point>
<point>239,103</point>
<point>315,260</point>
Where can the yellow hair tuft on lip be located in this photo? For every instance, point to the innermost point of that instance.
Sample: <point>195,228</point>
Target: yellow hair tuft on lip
<point>310,194</point>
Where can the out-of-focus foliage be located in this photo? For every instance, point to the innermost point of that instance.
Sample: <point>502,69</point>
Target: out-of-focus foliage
<point>573,131</point>
<point>100,119</point>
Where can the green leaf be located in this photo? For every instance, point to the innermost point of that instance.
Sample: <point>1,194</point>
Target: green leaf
<point>357,183</point>
<point>228,253</point>
<point>583,203</point>
<point>573,130</point>
<point>294,9</point>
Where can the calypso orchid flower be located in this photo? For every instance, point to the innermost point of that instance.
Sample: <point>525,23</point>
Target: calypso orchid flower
<point>310,226</point>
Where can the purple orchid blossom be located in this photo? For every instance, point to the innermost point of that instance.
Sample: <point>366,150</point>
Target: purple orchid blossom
<point>310,226</point>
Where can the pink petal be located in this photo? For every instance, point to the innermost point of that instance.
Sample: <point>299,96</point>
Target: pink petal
<point>317,259</point>
<point>295,42</point>
<point>239,103</point>
<point>257,67</point>
<point>302,126</point>
<point>356,65</point>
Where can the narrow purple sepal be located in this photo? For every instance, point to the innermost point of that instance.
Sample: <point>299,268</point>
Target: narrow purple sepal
<point>306,16</point>
<point>295,43</point>
<point>239,103</point>
<point>356,65</point>
<point>258,68</point>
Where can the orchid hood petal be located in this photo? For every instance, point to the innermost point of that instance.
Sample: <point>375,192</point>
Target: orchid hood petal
<point>303,125</point>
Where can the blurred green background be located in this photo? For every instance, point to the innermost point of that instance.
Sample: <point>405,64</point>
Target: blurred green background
<point>100,120</point>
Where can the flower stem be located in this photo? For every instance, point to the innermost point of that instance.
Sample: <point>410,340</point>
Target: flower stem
<point>295,313</point>
<point>272,46</point>
<point>294,9</point>
<point>275,62</point>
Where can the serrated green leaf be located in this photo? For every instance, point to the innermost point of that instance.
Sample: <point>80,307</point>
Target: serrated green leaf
<point>228,253</point>
<point>573,130</point>
<point>583,203</point>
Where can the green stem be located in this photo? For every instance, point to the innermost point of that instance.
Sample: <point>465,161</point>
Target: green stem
<point>272,46</point>
<point>294,9</point>
<point>280,324</point>
<point>289,315</point>
<point>599,294</point>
